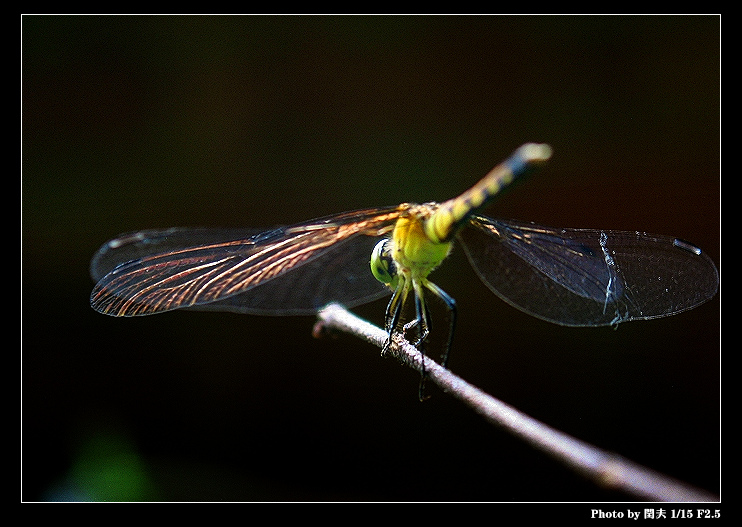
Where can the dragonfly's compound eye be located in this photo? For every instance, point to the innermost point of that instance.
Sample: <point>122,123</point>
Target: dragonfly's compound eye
<point>382,264</point>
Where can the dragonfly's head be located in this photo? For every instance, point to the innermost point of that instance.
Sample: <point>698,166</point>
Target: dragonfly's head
<point>382,264</point>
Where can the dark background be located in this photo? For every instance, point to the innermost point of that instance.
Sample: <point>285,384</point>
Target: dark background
<point>133,122</point>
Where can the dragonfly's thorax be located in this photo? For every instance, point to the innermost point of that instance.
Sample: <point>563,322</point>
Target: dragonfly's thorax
<point>414,254</point>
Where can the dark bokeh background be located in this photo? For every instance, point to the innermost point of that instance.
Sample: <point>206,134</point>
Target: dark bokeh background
<point>140,122</point>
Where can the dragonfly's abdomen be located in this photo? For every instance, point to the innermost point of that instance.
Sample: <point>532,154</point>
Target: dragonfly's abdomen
<point>454,213</point>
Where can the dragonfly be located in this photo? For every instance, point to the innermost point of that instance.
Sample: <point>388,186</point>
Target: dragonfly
<point>572,277</point>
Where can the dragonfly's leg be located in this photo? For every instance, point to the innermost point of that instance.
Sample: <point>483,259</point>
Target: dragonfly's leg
<point>451,306</point>
<point>423,323</point>
<point>421,395</point>
<point>408,327</point>
<point>393,312</point>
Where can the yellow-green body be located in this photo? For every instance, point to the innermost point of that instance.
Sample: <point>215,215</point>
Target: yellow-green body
<point>422,236</point>
<point>412,250</point>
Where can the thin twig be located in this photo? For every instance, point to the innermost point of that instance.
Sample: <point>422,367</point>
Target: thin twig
<point>604,468</point>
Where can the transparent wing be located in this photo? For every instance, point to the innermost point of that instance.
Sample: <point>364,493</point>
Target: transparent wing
<point>585,277</point>
<point>284,271</point>
<point>140,244</point>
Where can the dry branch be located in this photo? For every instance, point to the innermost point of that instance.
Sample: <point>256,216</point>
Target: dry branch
<point>604,468</point>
